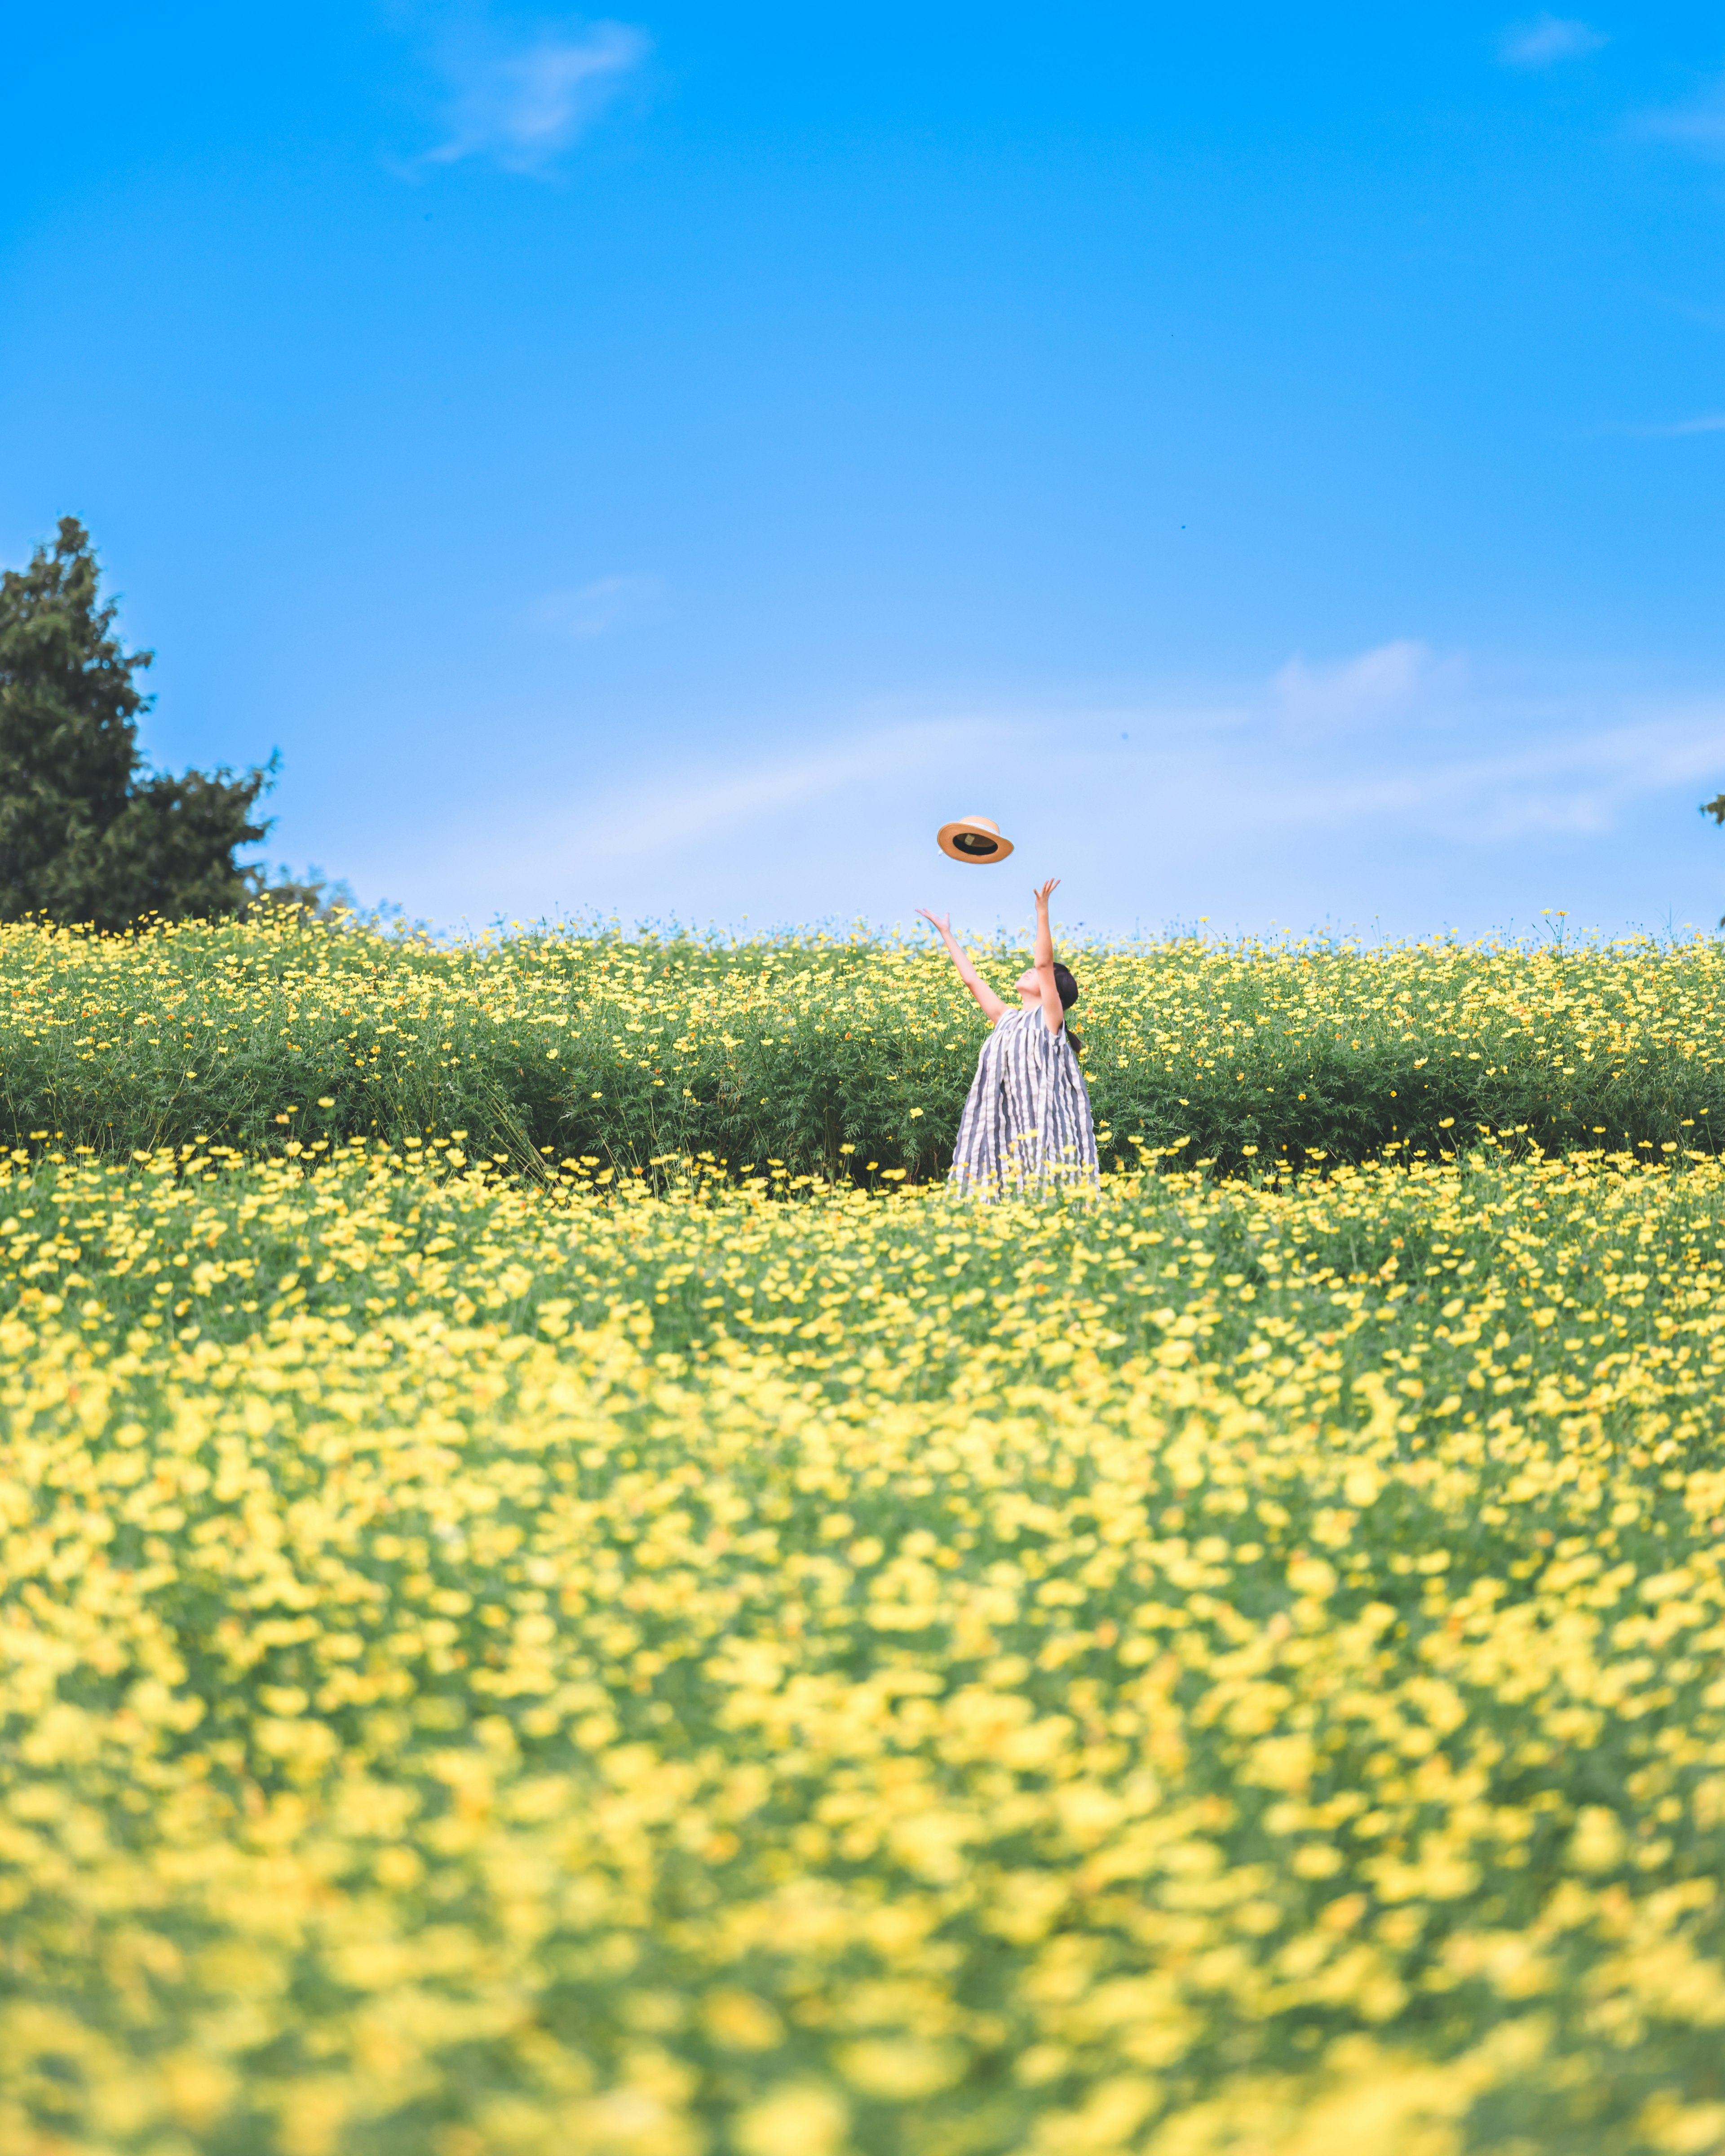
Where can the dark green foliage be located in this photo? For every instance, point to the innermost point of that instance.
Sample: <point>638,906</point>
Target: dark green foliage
<point>88,832</point>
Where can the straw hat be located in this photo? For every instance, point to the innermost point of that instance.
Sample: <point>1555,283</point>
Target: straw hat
<point>973,839</point>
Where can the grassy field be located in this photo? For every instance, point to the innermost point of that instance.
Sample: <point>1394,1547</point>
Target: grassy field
<point>826,1056</point>
<point>501,1668</point>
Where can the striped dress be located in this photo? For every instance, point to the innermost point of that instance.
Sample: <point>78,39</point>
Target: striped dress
<point>1027,1127</point>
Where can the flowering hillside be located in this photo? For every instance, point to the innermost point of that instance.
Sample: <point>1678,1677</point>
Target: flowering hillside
<point>825,1055</point>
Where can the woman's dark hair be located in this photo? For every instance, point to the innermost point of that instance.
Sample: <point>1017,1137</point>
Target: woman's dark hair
<point>1068,987</point>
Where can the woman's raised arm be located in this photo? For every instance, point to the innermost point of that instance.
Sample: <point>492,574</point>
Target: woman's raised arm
<point>973,980</point>
<point>1054,1011</point>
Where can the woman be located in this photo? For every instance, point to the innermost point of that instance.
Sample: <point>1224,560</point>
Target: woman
<point>1027,1124</point>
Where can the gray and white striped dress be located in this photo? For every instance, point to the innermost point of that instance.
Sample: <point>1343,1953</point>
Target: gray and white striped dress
<point>1027,1127</point>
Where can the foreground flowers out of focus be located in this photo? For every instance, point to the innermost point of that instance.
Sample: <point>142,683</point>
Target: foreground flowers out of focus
<point>488,1669</point>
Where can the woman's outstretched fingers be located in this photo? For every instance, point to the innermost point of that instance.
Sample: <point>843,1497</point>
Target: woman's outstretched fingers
<point>943,921</point>
<point>1047,891</point>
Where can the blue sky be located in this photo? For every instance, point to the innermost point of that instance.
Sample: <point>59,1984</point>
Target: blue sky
<point>1271,461</point>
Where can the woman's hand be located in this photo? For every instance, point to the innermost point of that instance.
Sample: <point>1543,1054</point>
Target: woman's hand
<point>1046,893</point>
<point>943,921</point>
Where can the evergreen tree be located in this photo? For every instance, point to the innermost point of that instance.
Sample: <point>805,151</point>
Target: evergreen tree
<point>88,832</point>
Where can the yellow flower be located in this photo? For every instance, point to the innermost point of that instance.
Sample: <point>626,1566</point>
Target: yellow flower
<point>803,2119</point>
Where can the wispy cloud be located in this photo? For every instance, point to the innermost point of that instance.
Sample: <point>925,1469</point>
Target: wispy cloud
<point>1546,38</point>
<point>521,102</point>
<point>1698,125</point>
<point>1438,749</point>
<point>594,609</point>
<point>1456,758</point>
<point>1375,686</point>
<point>720,805</point>
<point>1666,430</point>
<point>1441,748</point>
<point>1579,785</point>
<point>1399,783</point>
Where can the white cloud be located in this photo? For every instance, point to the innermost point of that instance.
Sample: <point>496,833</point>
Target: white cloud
<point>1439,749</point>
<point>523,104</point>
<point>721,804</point>
<point>1355,692</point>
<point>1415,788</point>
<point>1545,38</point>
<point>1708,423</point>
<point>1698,126</point>
<point>593,609</point>
<point>1580,784</point>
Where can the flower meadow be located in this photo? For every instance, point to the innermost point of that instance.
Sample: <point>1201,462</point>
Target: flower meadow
<point>828,1055</point>
<point>507,1663</point>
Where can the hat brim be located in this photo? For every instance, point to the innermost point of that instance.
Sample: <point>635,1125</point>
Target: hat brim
<point>949,835</point>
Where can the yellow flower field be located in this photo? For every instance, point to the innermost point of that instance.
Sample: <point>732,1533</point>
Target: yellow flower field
<point>491,1668</point>
<point>825,1054</point>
